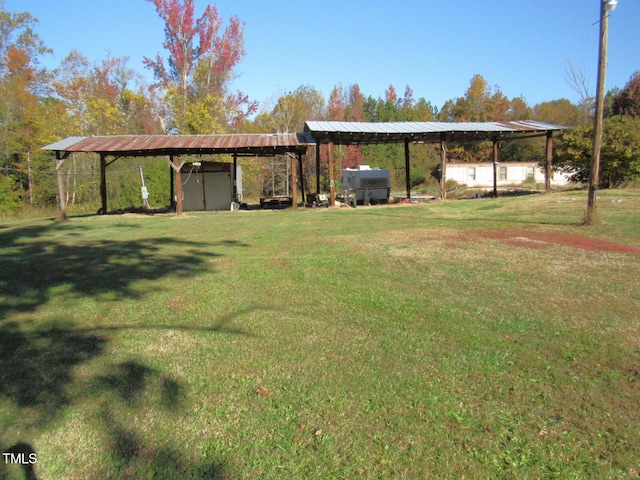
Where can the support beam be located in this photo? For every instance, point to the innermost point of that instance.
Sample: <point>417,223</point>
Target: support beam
<point>172,192</point>
<point>294,182</point>
<point>407,168</point>
<point>234,181</point>
<point>179,194</point>
<point>317,168</point>
<point>496,164</point>
<point>547,163</point>
<point>332,185</point>
<point>63,202</point>
<point>103,183</point>
<point>301,178</point>
<point>443,166</point>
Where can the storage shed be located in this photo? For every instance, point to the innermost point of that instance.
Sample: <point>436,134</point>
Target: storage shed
<point>209,186</point>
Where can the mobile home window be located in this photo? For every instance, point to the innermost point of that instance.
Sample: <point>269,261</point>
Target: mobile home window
<point>531,172</point>
<point>502,173</point>
<point>471,173</point>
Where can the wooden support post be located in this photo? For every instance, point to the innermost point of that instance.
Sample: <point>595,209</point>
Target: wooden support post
<point>443,166</point>
<point>294,182</point>
<point>407,168</point>
<point>301,177</point>
<point>332,185</point>
<point>234,181</point>
<point>547,163</point>
<point>317,168</point>
<point>496,164</point>
<point>63,202</point>
<point>103,183</point>
<point>179,194</point>
<point>172,191</point>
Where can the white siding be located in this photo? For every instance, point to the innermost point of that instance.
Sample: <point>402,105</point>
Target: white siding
<point>481,174</point>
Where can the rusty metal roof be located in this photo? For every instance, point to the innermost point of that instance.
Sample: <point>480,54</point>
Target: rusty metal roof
<point>345,133</point>
<point>152,145</point>
<point>396,132</point>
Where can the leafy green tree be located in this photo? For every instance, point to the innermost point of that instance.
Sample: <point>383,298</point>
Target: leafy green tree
<point>519,110</point>
<point>106,98</point>
<point>22,82</point>
<point>620,154</point>
<point>473,107</point>
<point>479,104</point>
<point>558,112</point>
<point>289,112</point>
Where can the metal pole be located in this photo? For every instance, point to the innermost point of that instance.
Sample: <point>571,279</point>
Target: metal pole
<point>591,216</point>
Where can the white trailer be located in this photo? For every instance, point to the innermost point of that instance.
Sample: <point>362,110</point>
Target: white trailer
<point>365,185</point>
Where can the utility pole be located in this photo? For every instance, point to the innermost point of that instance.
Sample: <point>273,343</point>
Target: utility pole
<point>591,217</point>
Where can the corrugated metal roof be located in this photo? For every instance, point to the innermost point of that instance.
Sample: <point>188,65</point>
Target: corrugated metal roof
<point>390,132</point>
<point>63,144</point>
<point>253,143</point>
<point>280,143</point>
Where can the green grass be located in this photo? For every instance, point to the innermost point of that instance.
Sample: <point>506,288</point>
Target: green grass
<point>384,342</point>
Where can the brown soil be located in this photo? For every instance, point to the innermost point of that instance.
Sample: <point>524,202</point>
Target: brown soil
<point>523,238</point>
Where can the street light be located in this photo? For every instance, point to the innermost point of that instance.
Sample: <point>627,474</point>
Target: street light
<point>606,7</point>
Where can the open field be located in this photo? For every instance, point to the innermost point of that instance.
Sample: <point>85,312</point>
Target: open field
<point>491,338</point>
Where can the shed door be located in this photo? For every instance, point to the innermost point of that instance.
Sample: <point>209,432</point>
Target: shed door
<point>192,191</point>
<point>217,190</point>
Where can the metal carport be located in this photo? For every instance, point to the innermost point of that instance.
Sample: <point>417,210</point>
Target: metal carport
<point>367,133</point>
<point>174,147</point>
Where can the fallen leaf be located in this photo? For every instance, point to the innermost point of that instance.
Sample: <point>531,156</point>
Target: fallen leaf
<point>262,391</point>
<point>317,433</point>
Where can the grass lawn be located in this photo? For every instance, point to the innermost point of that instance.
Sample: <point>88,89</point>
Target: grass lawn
<point>492,338</point>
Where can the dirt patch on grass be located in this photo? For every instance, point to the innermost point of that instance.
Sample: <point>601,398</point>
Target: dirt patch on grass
<point>523,238</point>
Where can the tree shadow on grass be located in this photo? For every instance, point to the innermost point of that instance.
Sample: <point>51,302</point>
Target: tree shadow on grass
<point>132,458</point>
<point>133,384</point>
<point>33,271</point>
<point>38,358</point>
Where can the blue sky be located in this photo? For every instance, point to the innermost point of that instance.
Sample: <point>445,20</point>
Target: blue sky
<point>434,46</point>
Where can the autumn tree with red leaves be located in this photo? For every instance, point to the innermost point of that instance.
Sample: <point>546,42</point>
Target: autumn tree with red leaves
<point>627,102</point>
<point>347,106</point>
<point>201,64</point>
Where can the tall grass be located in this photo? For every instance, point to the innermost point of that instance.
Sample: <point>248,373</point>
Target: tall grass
<point>383,342</point>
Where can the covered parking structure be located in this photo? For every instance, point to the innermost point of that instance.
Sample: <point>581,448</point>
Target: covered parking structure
<point>367,133</point>
<point>110,148</point>
<point>174,148</point>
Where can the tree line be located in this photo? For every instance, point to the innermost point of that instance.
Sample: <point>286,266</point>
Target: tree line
<point>192,93</point>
